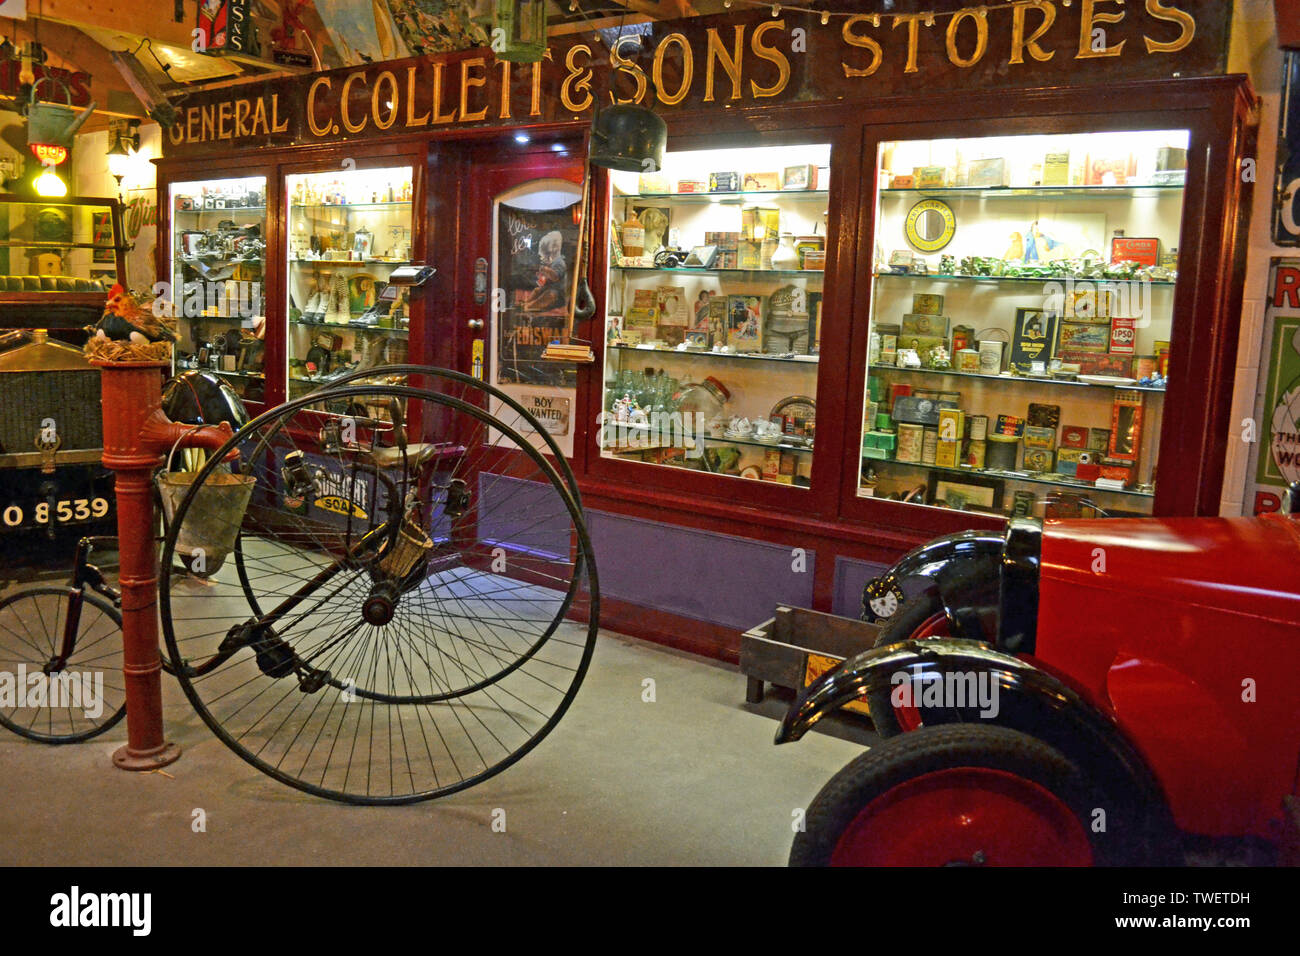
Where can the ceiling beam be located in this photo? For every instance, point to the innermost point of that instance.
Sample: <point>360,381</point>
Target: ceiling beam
<point>70,49</point>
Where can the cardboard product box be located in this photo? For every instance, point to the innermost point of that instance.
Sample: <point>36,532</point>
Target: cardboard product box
<point>1143,251</point>
<point>902,182</point>
<point>692,185</point>
<point>928,303</point>
<point>930,177</point>
<point>1091,337</point>
<point>1110,170</point>
<point>1099,363</point>
<point>1088,472</point>
<point>989,173</point>
<point>724,182</point>
<point>761,182</point>
<point>1037,460</point>
<point>1009,425</point>
<point>1123,335</point>
<point>952,424</point>
<point>1117,472</point>
<point>1099,439</point>
<point>749,254</point>
<point>916,324</point>
<point>649,184</point>
<point>1056,169</point>
<point>1037,436</point>
<point>1074,436</point>
<point>1068,460</point>
<point>803,176</point>
<point>1044,415</point>
<point>947,454</point>
<point>1126,428</point>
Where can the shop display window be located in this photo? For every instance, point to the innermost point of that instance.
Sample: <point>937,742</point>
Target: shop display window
<point>347,232</point>
<point>714,312</point>
<point>50,246</point>
<point>218,279</point>
<point>1021,321</point>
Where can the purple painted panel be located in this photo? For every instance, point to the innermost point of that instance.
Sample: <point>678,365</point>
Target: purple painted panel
<point>523,515</point>
<point>718,578</point>
<point>851,575</point>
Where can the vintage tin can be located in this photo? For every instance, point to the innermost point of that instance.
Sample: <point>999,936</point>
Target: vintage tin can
<point>911,438</point>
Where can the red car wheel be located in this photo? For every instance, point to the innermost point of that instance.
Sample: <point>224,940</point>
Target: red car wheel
<point>954,795</point>
<point>973,816</point>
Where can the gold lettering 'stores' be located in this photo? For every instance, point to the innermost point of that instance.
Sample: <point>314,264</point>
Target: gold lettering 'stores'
<point>1184,19</point>
<point>862,41</point>
<point>1019,43</point>
<point>981,38</point>
<point>1088,18</point>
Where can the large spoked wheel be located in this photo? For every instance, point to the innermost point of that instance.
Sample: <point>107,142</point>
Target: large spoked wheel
<point>63,655</point>
<point>406,606</point>
<point>920,618</point>
<point>952,796</point>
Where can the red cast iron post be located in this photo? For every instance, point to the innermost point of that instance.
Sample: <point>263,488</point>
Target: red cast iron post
<point>136,433</point>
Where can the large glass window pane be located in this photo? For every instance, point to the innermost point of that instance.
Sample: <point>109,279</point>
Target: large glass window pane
<point>1021,320</point>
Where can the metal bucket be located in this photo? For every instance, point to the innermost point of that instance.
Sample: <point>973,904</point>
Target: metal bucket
<point>212,522</point>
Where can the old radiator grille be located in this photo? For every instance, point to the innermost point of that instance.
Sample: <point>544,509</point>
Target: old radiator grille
<point>70,397</point>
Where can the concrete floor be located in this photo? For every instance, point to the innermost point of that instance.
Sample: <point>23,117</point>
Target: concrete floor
<point>692,778</point>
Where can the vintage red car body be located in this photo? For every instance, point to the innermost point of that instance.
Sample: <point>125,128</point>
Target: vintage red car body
<point>1160,656</point>
<point>1188,631</point>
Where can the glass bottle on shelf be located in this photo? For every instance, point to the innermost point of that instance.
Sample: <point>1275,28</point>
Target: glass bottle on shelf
<point>633,236</point>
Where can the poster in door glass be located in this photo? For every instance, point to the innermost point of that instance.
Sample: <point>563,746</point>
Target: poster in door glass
<point>535,249</point>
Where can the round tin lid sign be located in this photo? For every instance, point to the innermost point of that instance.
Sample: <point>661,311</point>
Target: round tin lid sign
<point>930,225</point>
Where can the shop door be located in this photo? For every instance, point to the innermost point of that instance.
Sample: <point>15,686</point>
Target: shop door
<point>514,271</point>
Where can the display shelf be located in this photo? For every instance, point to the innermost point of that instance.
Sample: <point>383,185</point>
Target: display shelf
<point>353,326</point>
<point>1018,379</point>
<point>721,272</point>
<point>735,356</point>
<point>713,439</point>
<point>1058,481</point>
<point>349,205</point>
<point>725,197</point>
<point>1036,280</point>
<point>1042,192</point>
<point>350,262</point>
<point>196,212</point>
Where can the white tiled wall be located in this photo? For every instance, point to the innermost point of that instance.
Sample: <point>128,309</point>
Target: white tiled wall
<point>1254,51</point>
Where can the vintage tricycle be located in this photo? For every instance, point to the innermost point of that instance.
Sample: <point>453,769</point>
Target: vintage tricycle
<point>1072,693</point>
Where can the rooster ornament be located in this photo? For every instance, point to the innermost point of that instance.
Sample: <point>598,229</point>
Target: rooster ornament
<point>125,320</point>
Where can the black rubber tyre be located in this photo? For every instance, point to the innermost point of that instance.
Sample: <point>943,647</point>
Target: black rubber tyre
<point>930,749</point>
<point>472,669</point>
<point>914,613</point>
<point>31,632</point>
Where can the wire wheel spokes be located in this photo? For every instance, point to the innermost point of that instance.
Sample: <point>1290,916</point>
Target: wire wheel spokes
<point>399,616</point>
<point>60,665</point>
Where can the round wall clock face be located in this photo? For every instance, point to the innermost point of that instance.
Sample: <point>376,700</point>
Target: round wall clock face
<point>930,225</point>
<point>883,599</point>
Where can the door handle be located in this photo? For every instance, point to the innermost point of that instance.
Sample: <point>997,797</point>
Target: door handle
<point>476,325</point>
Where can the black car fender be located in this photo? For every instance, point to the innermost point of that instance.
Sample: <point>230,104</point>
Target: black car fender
<point>962,570</point>
<point>1027,699</point>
